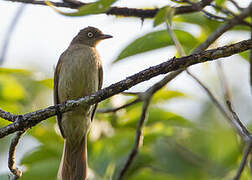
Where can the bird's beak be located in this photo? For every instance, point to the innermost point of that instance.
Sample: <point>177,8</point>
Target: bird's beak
<point>105,36</point>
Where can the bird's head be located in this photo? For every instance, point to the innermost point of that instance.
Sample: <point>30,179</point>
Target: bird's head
<point>90,36</point>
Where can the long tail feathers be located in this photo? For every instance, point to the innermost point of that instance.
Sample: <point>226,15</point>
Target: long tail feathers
<point>73,164</point>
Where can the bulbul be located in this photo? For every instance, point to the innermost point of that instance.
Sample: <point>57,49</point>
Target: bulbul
<point>78,73</point>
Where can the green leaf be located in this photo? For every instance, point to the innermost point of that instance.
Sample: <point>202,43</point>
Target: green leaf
<point>169,14</point>
<point>220,2</point>
<point>163,95</point>
<point>10,88</point>
<point>40,153</point>
<point>156,115</point>
<point>156,40</point>
<point>108,150</point>
<point>92,8</point>
<point>169,118</point>
<point>163,13</point>
<point>47,82</point>
<point>44,169</point>
<point>14,71</point>
<point>148,174</point>
<point>160,16</point>
<point>245,55</point>
<point>206,24</point>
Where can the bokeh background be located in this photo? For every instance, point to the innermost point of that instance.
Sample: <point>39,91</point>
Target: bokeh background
<point>186,137</point>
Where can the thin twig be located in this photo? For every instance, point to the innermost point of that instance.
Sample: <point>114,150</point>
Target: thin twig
<point>109,110</point>
<point>236,5</point>
<point>131,93</point>
<point>223,82</point>
<point>9,32</point>
<point>244,160</point>
<point>213,16</point>
<point>250,58</point>
<point>228,13</point>
<point>220,107</point>
<point>223,28</point>
<point>147,95</point>
<point>223,10</point>
<point>138,139</point>
<point>11,162</point>
<point>227,97</point>
<point>181,52</point>
<point>237,119</point>
<point>220,18</point>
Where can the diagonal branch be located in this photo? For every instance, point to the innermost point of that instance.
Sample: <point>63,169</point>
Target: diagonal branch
<point>109,110</point>
<point>227,97</point>
<point>124,11</point>
<point>237,120</point>
<point>146,96</point>
<point>31,119</point>
<point>244,160</point>
<point>138,138</point>
<point>238,128</point>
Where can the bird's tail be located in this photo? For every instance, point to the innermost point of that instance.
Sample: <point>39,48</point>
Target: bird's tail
<point>73,164</point>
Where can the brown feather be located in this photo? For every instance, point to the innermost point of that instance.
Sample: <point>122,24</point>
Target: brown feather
<point>56,96</point>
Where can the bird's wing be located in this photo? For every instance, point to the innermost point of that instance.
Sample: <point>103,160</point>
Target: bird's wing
<point>100,79</point>
<point>55,93</point>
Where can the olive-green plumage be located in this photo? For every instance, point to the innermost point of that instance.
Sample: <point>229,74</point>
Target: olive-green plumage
<point>78,73</point>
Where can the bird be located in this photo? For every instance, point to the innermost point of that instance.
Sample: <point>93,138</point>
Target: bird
<point>78,73</point>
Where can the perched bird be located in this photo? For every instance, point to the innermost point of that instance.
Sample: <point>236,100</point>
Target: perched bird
<point>78,73</point>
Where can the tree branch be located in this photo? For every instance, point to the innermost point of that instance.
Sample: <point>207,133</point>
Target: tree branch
<point>238,121</point>
<point>219,31</point>
<point>223,28</point>
<point>236,5</point>
<point>31,119</point>
<point>124,11</point>
<point>138,138</point>
<point>11,162</point>
<point>146,96</point>
<point>109,110</point>
<point>238,128</point>
<point>244,160</point>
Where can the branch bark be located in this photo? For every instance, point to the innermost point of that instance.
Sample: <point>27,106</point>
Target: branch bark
<point>138,139</point>
<point>31,119</point>
<point>124,11</point>
<point>244,160</point>
<point>11,161</point>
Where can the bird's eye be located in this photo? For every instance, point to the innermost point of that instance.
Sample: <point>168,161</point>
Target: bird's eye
<point>90,34</point>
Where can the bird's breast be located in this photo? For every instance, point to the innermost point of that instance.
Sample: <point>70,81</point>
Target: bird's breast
<point>78,75</point>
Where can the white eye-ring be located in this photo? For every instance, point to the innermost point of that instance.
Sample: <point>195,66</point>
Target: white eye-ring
<point>90,34</point>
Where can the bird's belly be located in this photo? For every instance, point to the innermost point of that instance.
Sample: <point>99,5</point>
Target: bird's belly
<point>79,80</point>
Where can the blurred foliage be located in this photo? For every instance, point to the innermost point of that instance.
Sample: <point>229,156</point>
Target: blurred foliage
<point>174,147</point>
